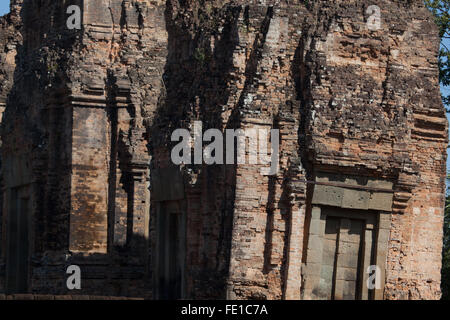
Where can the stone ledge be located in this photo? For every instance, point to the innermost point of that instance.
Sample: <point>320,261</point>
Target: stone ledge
<point>61,297</point>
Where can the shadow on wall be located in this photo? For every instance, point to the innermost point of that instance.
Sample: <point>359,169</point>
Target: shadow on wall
<point>37,167</point>
<point>193,66</point>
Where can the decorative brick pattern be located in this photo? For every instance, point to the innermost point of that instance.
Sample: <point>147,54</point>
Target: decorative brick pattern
<point>90,114</point>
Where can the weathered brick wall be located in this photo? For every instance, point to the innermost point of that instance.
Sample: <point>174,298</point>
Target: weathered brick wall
<point>10,39</point>
<point>90,116</point>
<point>346,99</point>
<point>374,110</point>
<point>85,124</point>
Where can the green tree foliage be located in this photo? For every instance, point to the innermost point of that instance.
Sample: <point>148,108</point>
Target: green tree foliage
<point>441,12</point>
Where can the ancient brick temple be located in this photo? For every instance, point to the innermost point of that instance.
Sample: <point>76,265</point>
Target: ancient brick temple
<point>87,177</point>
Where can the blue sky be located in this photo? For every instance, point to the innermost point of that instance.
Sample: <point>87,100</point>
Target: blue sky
<point>4,8</point>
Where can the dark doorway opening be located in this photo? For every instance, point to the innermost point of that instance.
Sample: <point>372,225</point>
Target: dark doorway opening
<point>171,254</point>
<point>17,267</point>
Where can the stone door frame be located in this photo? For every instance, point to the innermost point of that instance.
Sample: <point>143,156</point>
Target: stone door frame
<point>377,227</point>
<point>361,196</point>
